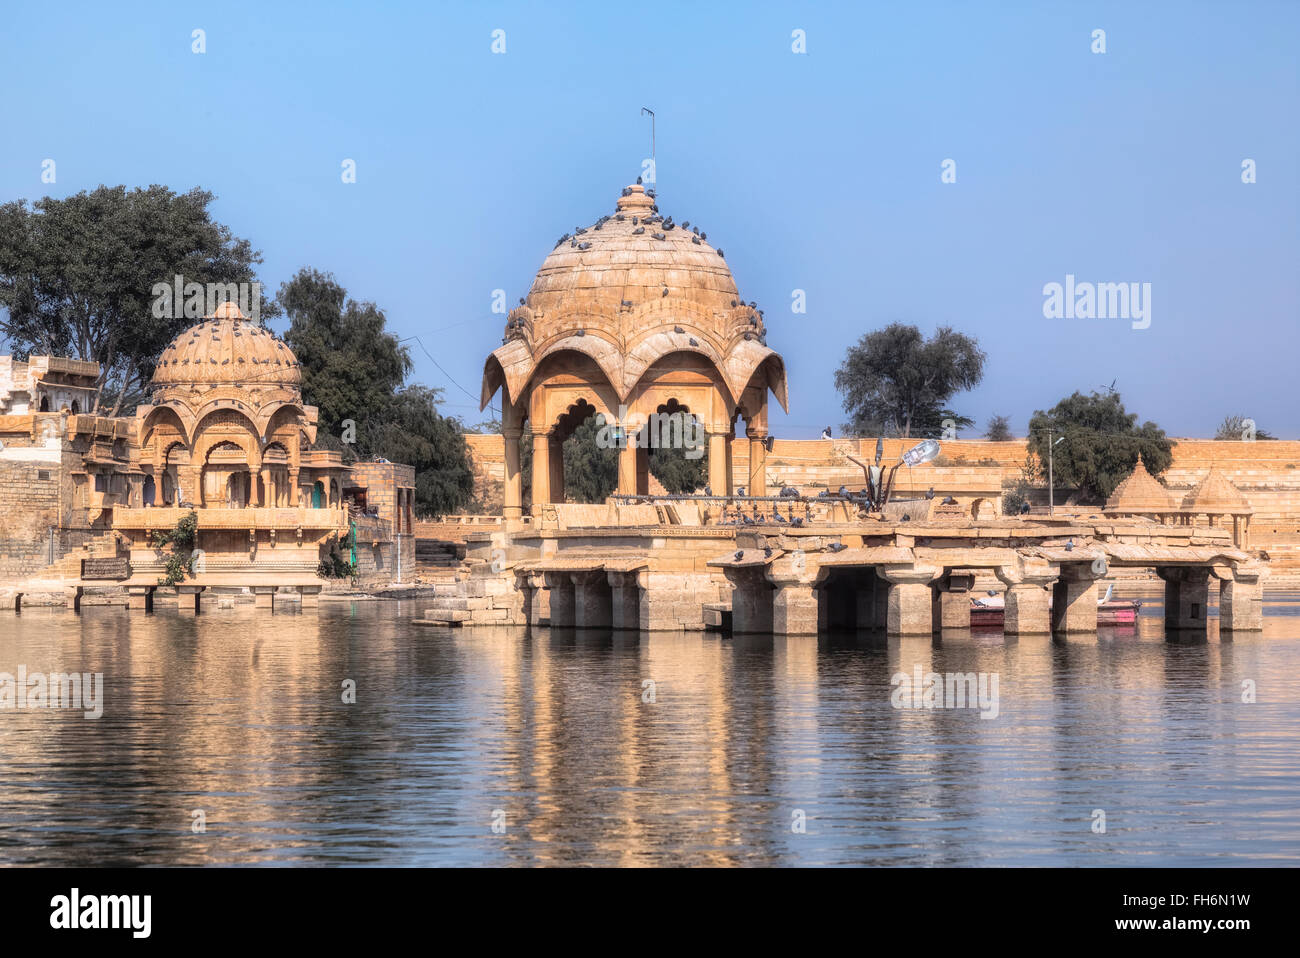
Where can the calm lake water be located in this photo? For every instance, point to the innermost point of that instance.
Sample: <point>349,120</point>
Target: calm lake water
<point>550,738</point>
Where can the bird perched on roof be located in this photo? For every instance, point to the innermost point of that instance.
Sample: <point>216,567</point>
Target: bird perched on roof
<point>748,521</point>
<point>678,329</point>
<point>929,493</point>
<point>843,492</point>
<point>790,492</point>
<point>582,332</point>
<point>740,554</point>
<point>837,547</point>
<point>949,501</point>
<point>665,292</point>
<point>638,231</point>
<point>660,236</point>
<point>695,240</point>
<point>685,223</point>
<point>722,254</point>
<point>1024,508</point>
<point>521,301</point>
<point>776,515</point>
<point>692,341</point>
<point>906,517</point>
<point>1069,545</point>
<point>704,236</point>
<point>740,491</point>
<point>638,181</point>
<point>627,302</point>
<point>708,491</point>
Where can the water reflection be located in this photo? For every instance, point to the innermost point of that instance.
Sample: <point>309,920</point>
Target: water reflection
<point>637,750</point>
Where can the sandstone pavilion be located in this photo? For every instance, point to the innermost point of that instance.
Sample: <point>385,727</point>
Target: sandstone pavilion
<point>631,316</point>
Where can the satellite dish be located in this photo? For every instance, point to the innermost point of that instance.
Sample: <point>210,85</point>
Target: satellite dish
<point>923,451</point>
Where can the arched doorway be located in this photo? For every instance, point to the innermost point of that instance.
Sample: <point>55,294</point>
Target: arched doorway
<point>150,491</point>
<point>583,456</point>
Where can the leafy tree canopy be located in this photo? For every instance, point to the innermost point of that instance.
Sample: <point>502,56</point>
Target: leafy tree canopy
<point>1101,442</point>
<point>897,382</point>
<point>77,277</point>
<point>352,367</point>
<point>353,371</point>
<point>590,473</point>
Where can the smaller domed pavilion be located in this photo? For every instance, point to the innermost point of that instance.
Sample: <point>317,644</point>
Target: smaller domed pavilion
<point>1141,494</point>
<point>1214,497</point>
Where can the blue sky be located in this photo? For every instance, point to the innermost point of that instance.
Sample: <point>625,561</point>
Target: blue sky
<point>818,172</point>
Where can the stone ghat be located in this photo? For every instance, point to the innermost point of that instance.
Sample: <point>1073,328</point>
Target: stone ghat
<point>904,578</point>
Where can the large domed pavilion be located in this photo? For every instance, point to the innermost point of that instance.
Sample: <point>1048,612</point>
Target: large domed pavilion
<point>632,316</point>
<point>227,426</point>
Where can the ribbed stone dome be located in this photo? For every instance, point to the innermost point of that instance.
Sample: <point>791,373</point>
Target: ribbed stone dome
<point>227,348</point>
<point>629,258</point>
<point>626,290</point>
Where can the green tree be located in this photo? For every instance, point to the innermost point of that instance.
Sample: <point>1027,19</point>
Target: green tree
<point>77,277</point>
<point>894,381</point>
<point>1100,443</point>
<point>590,473</point>
<point>1237,427</point>
<point>999,429</point>
<point>412,431</point>
<point>354,369</point>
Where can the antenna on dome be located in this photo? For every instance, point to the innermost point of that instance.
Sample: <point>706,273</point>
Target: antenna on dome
<point>654,165</point>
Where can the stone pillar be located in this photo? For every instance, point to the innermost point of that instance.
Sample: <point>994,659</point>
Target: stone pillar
<point>310,596</point>
<point>794,602</point>
<point>560,586</point>
<point>757,466</point>
<point>591,600</point>
<point>512,493</point>
<point>731,475</point>
<point>1187,596</point>
<point>794,608</point>
<point>951,596</point>
<point>1241,603</point>
<point>1074,600</point>
<point>625,601</point>
<point>751,600</point>
<point>909,606</point>
<point>187,599</point>
<point>541,470</point>
<point>536,599</point>
<point>627,468</point>
<point>1027,602</point>
<point>718,464</point>
<point>264,597</point>
<point>140,598</point>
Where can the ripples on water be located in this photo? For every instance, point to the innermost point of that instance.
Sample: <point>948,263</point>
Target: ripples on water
<point>240,714</point>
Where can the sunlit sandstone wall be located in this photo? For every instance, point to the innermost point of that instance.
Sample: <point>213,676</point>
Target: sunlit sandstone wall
<point>1267,473</point>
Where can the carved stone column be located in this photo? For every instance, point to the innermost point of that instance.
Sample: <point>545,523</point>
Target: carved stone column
<point>1187,597</point>
<point>1027,601</point>
<point>512,492</point>
<point>1074,599</point>
<point>910,608</point>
